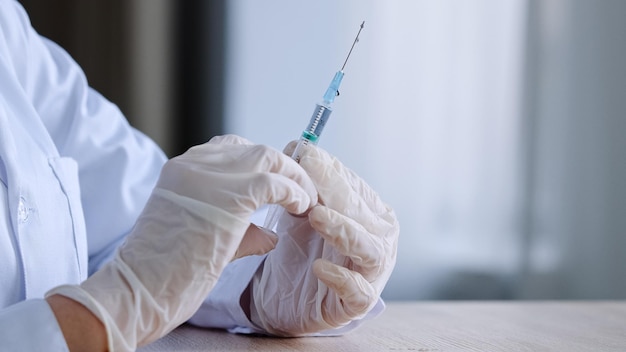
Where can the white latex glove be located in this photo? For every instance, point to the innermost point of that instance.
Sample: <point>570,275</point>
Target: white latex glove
<point>329,267</point>
<point>190,229</point>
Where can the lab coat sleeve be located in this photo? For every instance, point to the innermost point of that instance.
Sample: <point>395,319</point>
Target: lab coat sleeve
<point>35,316</point>
<point>118,166</point>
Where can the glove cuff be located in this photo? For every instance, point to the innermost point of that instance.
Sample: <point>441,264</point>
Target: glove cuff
<point>115,339</point>
<point>131,294</point>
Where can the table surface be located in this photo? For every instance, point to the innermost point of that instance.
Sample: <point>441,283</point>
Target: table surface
<point>443,326</point>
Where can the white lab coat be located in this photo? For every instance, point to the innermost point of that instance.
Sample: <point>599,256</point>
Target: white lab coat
<point>74,176</point>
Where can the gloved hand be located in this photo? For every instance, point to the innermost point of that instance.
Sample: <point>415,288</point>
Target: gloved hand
<point>329,267</point>
<point>190,229</point>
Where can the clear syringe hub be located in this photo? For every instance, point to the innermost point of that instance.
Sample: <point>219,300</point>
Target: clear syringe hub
<point>333,88</point>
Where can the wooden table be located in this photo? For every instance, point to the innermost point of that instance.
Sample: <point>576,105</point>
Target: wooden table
<point>444,326</point>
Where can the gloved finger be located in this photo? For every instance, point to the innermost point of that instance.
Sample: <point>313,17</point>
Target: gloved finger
<point>267,188</point>
<point>290,148</point>
<point>354,180</point>
<point>243,158</point>
<point>250,175</point>
<point>369,252</point>
<point>240,194</point>
<point>229,139</point>
<point>238,156</point>
<point>340,188</point>
<point>357,295</point>
<point>256,241</point>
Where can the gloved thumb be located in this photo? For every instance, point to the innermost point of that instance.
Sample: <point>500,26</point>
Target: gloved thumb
<point>257,240</point>
<point>357,295</point>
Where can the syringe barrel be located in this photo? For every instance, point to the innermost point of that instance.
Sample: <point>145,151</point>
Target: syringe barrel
<point>318,121</point>
<point>310,135</point>
<point>314,130</point>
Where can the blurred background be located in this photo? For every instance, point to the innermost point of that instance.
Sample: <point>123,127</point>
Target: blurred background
<point>496,129</point>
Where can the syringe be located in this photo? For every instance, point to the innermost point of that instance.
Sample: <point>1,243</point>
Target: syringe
<point>314,130</point>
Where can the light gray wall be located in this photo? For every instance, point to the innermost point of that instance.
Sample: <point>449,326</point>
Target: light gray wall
<point>428,115</point>
<point>495,129</point>
<point>577,103</point>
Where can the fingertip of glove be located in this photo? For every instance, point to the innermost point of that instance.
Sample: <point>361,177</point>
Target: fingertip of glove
<point>318,268</point>
<point>302,207</point>
<point>312,199</point>
<point>316,212</point>
<point>290,147</point>
<point>320,217</point>
<point>358,295</point>
<point>327,271</point>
